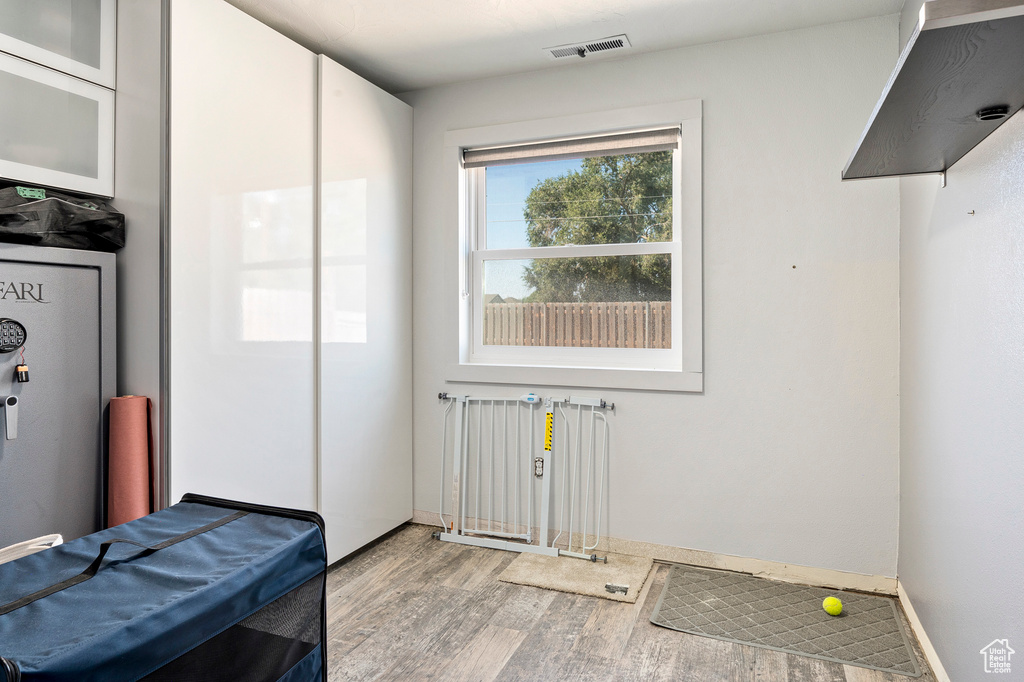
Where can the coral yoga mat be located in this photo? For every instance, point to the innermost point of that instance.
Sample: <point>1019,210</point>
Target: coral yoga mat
<point>128,469</point>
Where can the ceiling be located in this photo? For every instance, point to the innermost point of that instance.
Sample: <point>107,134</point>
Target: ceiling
<point>405,45</point>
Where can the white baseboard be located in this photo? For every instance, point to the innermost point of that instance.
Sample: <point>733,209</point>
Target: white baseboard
<point>793,573</point>
<point>922,637</point>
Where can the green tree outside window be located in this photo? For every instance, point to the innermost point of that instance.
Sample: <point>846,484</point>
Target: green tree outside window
<point>611,200</point>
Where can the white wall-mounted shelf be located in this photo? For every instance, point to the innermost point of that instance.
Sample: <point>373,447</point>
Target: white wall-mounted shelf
<point>965,57</point>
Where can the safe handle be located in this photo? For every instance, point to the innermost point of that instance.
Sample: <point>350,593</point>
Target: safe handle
<point>11,416</point>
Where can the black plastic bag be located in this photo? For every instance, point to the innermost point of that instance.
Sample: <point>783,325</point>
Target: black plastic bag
<point>30,215</point>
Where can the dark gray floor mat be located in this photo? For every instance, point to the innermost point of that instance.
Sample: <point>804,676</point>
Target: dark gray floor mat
<point>775,615</point>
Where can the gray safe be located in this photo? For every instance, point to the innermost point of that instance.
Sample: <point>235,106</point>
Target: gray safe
<point>53,442</point>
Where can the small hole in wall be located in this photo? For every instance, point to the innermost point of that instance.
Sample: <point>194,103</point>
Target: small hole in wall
<point>794,267</point>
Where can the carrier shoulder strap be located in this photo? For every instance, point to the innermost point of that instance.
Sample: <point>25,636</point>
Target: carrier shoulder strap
<point>94,567</point>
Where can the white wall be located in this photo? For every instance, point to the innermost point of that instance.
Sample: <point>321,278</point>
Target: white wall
<point>961,369</point>
<point>137,195</point>
<point>962,373</point>
<point>790,453</point>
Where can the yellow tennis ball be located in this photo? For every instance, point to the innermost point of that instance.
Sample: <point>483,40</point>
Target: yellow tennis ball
<point>832,606</point>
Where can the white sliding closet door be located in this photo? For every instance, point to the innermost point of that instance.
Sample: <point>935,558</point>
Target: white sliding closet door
<point>243,162</point>
<point>366,310</point>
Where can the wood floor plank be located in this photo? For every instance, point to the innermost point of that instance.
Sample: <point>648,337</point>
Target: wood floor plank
<point>712,660</point>
<point>437,620</point>
<point>424,615</point>
<point>382,573</point>
<point>365,667</point>
<point>395,608</point>
<point>416,668</point>
<point>610,626</point>
<point>484,656</point>
<point>405,541</point>
<point>523,608</point>
<point>650,658</point>
<point>426,619</point>
<point>478,567</point>
<point>466,619</point>
<point>579,666</point>
<point>607,631</point>
<point>550,640</point>
<point>804,669</point>
<point>352,595</point>
<point>770,666</point>
<point>369,601</point>
<point>343,637</point>
<point>652,652</point>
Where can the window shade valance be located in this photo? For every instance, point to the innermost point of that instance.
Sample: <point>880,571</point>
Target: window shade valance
<point>604,145</point>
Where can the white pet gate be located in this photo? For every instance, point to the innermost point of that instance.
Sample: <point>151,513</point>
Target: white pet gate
<point>506,463</point>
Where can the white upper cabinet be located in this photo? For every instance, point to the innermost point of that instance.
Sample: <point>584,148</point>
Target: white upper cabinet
<point>56,122</point>
<point>76,37</point>
<point>55,130</point>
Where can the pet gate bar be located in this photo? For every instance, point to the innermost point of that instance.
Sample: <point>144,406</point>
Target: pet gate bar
<point>492,469</point>
<point>589,486</point>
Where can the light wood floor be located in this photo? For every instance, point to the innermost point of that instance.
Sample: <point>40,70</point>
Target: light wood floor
<point>413,608</point>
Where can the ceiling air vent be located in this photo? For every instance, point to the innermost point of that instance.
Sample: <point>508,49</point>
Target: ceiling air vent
<point>585,48</point>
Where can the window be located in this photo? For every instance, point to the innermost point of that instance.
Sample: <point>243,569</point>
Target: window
<point>572,251</point>
<point>580,253</point>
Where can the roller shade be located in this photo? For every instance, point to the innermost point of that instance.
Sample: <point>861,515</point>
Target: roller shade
<point>604,145</point>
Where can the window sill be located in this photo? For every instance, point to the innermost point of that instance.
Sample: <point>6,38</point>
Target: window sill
<point>629,379</point>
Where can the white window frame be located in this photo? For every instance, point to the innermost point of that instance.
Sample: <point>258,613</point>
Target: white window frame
<point>676,369</point>
<point>561,356</point>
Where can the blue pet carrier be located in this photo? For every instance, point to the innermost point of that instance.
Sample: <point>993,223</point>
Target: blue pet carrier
<point>220,591</point>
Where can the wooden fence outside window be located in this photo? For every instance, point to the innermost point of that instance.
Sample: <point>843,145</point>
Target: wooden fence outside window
<point>625,324</point>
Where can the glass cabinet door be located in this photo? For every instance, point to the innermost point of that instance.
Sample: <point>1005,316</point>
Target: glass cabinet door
<point>55,130</point>
<point>76,37</point>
